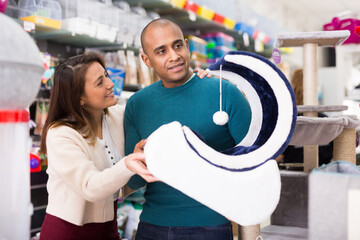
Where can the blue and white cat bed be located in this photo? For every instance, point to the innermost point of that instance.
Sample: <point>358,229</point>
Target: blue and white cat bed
<point>241,183</point>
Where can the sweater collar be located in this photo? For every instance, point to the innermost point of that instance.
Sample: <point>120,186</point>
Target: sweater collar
<point>188,83</point>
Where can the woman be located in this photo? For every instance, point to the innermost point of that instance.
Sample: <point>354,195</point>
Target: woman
<point>84,140</point>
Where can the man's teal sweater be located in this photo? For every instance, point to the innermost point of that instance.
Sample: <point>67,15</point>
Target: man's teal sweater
<point>192,104</point>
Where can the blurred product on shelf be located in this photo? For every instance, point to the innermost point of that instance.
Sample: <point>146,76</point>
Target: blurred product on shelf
<point>229,23</point>
<point>41,158</point>
<point>116,69</point>
<point>127,68</point>
<point>219,18</point>
<point>35,163</point>
<point>117,76</point>
<point>3,5</point>
<point>220,51</point>
<point>191,6</point>
<point>12,9</point>
<point>205,12</point>
<point>124,34</point>
<point>76,17</point>
<point>46,58</point>
<point>178,3</point>
<point>218,44</point>
<point>49,63</point>
<point>106,17</point>
<point>220,38</point>
<point>128,218</point>
<point>357,30</point>
<point>347,22</point>
<point>197,48</point>
<point>105,20</point>
<point>43,12</point>
<point>140,20</point>
<point>131,68</point>
<point>42,109</point>
<point>144,73</point>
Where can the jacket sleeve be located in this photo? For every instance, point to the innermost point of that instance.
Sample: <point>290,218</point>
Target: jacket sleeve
<point>67,159</point>
<point>131,139</point>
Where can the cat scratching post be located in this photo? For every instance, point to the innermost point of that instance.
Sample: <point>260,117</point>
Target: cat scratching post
<point>345,146</point>
<point>310,82</point>
<point>249,232</point>
<point>310,41</point>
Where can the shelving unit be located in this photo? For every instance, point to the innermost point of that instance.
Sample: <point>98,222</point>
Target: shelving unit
<point>196,26</point>
<point>39,199</point>
<point>70,38</point>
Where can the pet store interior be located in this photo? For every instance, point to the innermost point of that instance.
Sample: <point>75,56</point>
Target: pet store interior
<point>307,52</point>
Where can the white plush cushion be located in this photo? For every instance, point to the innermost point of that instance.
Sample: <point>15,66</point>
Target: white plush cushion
<point>244,184</point>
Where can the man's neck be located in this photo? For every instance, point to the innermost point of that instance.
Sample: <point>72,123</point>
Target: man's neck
<point>180,82</point>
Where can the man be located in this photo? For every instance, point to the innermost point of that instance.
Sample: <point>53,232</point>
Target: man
<point>180,96</point>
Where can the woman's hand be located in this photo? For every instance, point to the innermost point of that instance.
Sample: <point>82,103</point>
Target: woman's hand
<point>139,147</point>
<point>136,163</point>
<point>202,73</point>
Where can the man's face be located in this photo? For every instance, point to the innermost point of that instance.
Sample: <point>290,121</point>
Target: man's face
<point>168,53</point>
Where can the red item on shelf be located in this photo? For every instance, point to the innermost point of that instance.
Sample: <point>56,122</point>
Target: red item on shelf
<point>218,18</point>
<point>14,116</point>
<point>255,34</point>
<point>35,163</point>
<point>345,24</point>
<point>357,30</point>
<point>266,39</point>
<point>191,6</point>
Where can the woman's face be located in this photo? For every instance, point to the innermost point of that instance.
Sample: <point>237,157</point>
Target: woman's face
<point>98,93</point>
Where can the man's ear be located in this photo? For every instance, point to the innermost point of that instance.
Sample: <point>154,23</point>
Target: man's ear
<point>146,60</point>
<point>187,43</point>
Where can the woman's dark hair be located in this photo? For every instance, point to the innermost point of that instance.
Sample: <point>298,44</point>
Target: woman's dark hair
<point>66,93</point>
<point>297,84</point>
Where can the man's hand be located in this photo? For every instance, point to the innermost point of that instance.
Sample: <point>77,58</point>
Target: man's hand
<point>139,147</point>
<point>202,73</point>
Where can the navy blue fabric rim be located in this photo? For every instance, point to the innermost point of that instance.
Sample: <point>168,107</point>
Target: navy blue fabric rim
<point>216,66</point>
<point>222,167</point>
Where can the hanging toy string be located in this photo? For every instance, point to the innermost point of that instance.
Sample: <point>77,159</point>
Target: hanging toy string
<point>220,89</point>
<point>220,117</point>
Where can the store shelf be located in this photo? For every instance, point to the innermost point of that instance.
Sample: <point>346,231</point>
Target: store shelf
<point>181,17</point>
<point>196,26</point>
<point>70,38</point>
<point>39,199</point>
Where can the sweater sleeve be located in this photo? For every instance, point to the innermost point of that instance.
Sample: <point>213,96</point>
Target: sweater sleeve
<point>131,139</point>
<point>67,159</point>
<point>239,112</point>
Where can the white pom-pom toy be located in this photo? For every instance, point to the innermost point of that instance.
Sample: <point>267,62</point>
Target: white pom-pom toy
<point>220,118</point>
